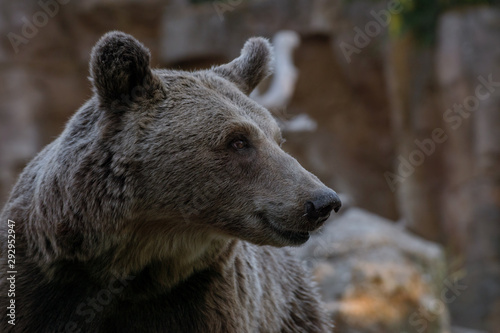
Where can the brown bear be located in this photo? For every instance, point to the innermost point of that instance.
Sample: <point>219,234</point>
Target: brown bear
<point>164,206</point>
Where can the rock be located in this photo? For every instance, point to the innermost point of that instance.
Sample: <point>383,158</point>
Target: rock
<point>468,58</point>
<point>417,175</point>
<point>216,29</point>
<point>375,277</point>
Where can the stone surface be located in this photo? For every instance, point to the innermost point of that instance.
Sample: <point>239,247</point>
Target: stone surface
<point>417,174</point>
<point>375,277</point>
<point>467,57</point>
<point>214,29</point>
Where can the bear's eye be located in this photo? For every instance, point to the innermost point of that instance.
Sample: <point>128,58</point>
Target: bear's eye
<point>239,144</point>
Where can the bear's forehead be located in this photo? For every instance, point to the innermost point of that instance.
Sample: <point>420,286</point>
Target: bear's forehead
<point>211,96</point>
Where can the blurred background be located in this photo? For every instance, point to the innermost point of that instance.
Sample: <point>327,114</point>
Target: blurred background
<point>394,104</point>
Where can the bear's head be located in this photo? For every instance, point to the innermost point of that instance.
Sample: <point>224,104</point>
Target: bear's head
<point>210,158</point>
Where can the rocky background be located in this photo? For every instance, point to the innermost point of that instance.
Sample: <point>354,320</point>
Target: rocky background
<point>404,102</point>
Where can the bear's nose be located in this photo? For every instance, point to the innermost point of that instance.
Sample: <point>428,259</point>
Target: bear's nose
<point>319,208</point>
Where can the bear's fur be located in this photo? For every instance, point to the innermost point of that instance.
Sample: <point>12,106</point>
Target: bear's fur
<point>164,206</point>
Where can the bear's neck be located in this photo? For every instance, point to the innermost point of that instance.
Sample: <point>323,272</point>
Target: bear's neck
<point>170,256</point>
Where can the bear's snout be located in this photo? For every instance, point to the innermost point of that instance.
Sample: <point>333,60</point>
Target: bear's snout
<point>318,209</point>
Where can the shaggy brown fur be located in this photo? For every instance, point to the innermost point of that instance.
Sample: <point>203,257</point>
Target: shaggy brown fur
<point>164,206</point>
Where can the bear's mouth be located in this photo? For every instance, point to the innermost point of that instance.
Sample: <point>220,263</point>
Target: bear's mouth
<point>293,237</point>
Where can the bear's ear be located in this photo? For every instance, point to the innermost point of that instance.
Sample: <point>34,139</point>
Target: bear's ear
<point>251,67</point>
<point>120,72</point>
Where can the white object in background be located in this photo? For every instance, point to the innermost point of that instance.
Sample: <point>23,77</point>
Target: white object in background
<point>285,75</point>
<point>299,123</point>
